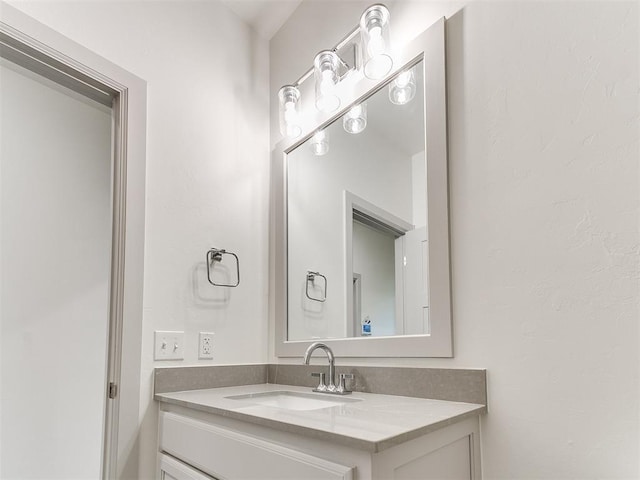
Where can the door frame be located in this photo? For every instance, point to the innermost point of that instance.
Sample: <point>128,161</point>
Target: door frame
<point>354,202</point>
<point>47,52</point>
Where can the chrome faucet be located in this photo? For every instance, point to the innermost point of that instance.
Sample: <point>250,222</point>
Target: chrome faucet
<point>331,387</point>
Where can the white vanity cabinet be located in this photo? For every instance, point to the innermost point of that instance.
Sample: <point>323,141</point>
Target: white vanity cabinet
<point>197,444</point>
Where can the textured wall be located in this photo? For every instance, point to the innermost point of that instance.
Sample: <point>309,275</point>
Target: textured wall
<point>543,126</point>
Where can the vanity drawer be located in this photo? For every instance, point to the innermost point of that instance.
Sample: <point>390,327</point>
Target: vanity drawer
<point>172,469</point>
<point>221,452</point>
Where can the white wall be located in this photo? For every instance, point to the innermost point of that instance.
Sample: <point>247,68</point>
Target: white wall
<point>543,163</point>
<point>55,239</point>
<point>207,169</point>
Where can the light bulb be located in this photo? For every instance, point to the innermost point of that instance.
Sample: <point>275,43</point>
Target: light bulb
<point>355,120</point>
<point>404,78</point>
<point>403,88</point>
<point>290,113</point>
<point>320,143</point>
<point>376,42</point>
<point>325,68</point>
<point>289,97</point>
<point>374,30</point>
<point>292,120</point>
<point>326,84</point>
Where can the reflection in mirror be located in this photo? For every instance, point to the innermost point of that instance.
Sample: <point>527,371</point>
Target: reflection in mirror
<point>357,216</point>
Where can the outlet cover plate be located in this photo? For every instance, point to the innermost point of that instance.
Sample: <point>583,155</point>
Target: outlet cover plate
<point>168,345</point>
<point>205,345</point>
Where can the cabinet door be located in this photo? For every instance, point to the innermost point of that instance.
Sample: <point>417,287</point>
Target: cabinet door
<point>171,469</point>
<point>451,462</point>
<point>450,453</point>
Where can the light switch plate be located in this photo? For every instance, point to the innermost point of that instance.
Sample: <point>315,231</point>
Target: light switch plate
<point>168,345</point>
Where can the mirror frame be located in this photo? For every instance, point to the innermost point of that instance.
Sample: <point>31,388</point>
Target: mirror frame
<point>430,47</point>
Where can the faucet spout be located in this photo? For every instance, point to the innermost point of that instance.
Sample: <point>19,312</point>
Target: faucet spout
<point>332,366</point>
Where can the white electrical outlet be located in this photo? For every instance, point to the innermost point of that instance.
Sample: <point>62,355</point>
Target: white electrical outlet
<point>169,346</point>
<point>205,349</point>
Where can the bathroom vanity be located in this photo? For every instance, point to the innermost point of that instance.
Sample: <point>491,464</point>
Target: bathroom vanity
<point>281,432</point>
<point>388,180</point>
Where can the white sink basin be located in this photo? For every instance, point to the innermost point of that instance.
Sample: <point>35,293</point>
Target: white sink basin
<point>294,400</point>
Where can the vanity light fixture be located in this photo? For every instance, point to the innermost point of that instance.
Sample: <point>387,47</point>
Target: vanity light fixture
<point>325,69</point>
<point>289,99</point>
<point>320,143</point>
<point>374,29</point>
<point>403,88</point>
<point>330,67</point>
<point>355,120</point>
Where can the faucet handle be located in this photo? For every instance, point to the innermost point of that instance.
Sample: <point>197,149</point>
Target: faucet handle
<point>322,387</point>
<point>341,388</point>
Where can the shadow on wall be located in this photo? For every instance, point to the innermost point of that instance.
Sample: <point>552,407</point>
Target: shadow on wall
<point>205,295</point>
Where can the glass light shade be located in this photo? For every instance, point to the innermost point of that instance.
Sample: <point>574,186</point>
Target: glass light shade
<point>374,30</point>
<point>355,120</point>
<point>320,143</point>
<point>403,88</point>
<point>325,68</point>
<point>289,98</point>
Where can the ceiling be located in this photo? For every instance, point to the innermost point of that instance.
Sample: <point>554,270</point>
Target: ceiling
<point>265,16</point>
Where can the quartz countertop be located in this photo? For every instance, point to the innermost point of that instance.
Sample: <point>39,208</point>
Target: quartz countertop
<point>373,424</point>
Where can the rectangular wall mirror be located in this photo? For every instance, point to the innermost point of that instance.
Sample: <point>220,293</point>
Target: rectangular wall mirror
<point>357,215</point>
<point>362,239</point>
